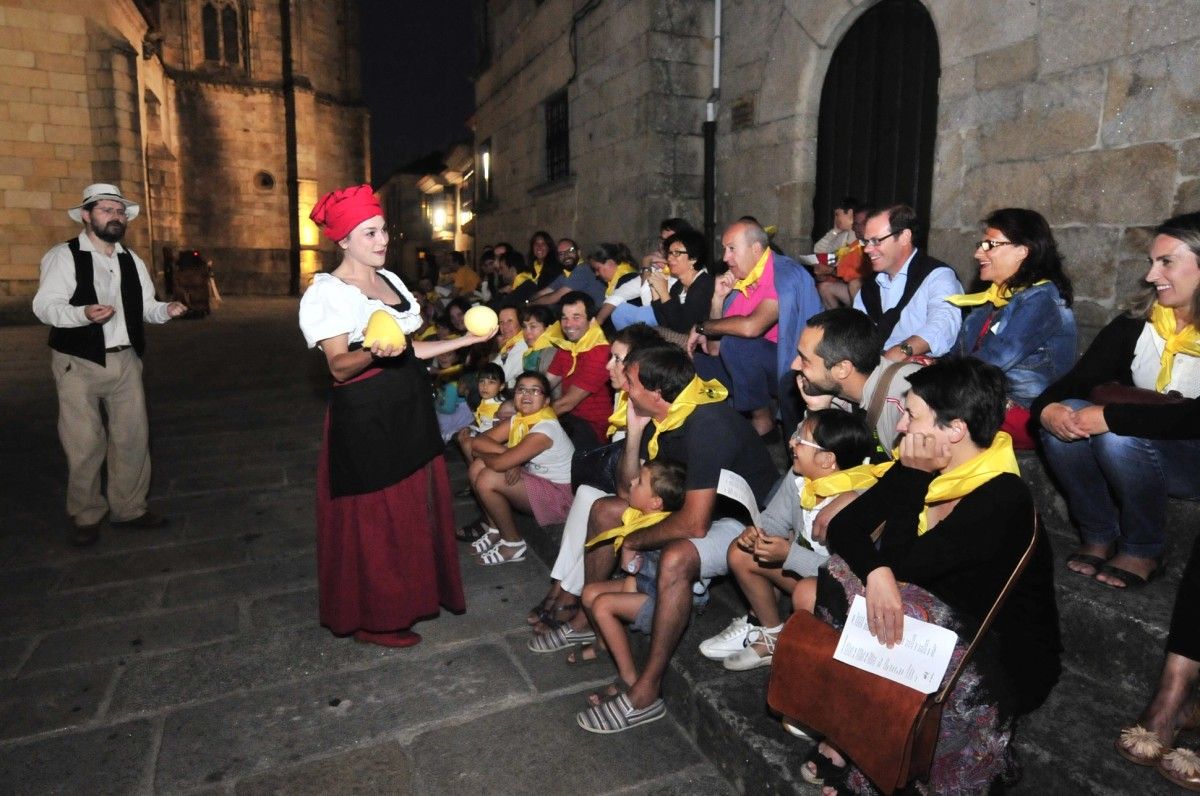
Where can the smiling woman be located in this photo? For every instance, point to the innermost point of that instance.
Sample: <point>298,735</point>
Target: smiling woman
<point>1023,322</point>
<point>1127,416</point>
<point>386,555</point>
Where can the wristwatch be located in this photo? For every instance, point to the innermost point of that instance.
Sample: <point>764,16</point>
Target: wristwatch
<point>700,328</point>
<point>905,349</point>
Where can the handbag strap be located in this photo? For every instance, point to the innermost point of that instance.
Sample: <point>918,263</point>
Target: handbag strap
<point>875,408</point>
<point>991,614</point>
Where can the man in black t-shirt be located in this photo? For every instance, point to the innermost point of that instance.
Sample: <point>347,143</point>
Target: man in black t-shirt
<point>713,437</point>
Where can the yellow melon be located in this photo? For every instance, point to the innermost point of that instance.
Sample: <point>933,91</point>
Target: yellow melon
<point>481,321</point>
<point>382,329</point>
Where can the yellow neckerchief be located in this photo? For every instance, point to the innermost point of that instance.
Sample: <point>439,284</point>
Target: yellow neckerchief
<point>967,477</point>
<point>509,343</point>
<point>1185,342</point>
<point>537,269</point>
<point>544,340</point>
<point>622,270</point>
<point>852,478</point>
<point>521,278</point>
<point>453,370</point>
<point>594,336</point>
<point>487,410</point>
<point>995,295</point>
<point>427,332</point>
<point>631,520</point>
<point>522,423</point>
<point>755,274</point>
<point>620,415</point>
<point>697,393</point>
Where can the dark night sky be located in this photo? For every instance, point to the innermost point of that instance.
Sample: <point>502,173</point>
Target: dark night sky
<point>417,60</point>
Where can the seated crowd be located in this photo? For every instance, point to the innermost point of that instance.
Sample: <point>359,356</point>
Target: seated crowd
<point>621,389</point>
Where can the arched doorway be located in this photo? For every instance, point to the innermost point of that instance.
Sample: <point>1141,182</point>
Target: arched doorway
<point>878,115</point>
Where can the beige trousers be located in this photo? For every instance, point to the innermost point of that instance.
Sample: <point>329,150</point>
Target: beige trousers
<point>82,387</point>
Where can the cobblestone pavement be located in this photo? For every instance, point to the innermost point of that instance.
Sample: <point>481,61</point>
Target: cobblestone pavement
<point>189,659</point>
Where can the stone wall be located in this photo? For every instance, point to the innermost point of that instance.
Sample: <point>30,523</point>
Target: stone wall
<point>1085,110</point>
<point>636,103</point>
<point>85,97</point>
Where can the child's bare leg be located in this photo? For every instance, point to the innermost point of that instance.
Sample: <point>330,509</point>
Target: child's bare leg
<point>611,612</point>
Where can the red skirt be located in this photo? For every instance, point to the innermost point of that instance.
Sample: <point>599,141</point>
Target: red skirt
<point>386,559</point>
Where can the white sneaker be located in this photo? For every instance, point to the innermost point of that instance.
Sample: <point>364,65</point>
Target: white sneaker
<point>730,640</point>
<point>747,657</point>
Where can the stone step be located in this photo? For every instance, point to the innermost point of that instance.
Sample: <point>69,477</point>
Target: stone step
<point>1113,653</point>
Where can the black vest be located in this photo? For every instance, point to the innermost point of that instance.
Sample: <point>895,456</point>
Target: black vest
<point>918,269</point>
<point>87,342</point>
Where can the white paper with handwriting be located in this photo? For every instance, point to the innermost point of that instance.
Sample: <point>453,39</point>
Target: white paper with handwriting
<point>919,661</point>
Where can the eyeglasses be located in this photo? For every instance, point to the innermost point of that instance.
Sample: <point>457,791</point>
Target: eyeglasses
<point>874,241</point>
<point>568,250</point>
<point>677,252</point>
<point>619,360</point>
<point>799,440</point>
<point>988,245</point>
<point>529,391</point>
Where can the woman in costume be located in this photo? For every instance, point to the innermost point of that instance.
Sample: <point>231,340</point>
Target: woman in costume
<point>386,555</point>
<point>1127,418</point>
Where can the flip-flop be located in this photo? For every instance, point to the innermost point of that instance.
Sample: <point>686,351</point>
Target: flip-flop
<point>618,714</point>
<point>1132,580</point>
<point>1182,767</point>
<point>827,772</point>
<point>1140,746</point>
<point>1095,562</point>
<point>575,657</point>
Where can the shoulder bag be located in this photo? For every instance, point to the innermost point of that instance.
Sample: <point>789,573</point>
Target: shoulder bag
<point>887,730</point>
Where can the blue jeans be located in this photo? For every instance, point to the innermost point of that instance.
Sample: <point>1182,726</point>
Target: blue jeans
<point>1117,487</point>
<point>747,367</point>
<point>628,314</point>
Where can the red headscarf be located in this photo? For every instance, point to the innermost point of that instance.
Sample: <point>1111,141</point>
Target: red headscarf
<point>340,211</point>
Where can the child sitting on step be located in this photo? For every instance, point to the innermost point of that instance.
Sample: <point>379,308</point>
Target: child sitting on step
<point>653,495</point>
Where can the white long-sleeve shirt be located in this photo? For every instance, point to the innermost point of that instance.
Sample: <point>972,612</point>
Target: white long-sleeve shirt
<point>52,303</point>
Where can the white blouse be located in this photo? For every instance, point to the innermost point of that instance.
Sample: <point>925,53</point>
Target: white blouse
<point>554,463</point>
<point>1147,360</point>
<point>331,307</point>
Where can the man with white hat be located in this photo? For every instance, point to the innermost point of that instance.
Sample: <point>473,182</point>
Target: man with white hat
<point>95,295</point>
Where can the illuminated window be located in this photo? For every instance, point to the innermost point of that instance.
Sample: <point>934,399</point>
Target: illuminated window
<point>484,184</point>
<point>310,233</point>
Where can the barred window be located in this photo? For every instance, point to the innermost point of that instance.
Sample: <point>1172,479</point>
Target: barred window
<point>558,139</point>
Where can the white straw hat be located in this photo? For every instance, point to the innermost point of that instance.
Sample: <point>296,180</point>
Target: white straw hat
<point>102,190</point>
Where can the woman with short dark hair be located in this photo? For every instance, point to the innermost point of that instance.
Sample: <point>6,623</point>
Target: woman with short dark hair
<point>957,519</point>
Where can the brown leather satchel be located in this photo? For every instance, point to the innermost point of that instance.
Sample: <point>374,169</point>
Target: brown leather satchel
<point>888,730</point>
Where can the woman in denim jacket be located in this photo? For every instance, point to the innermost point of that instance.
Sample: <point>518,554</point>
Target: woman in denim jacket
<point>1023,322</point>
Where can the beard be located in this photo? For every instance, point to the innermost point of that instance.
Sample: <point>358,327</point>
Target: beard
<point>112,232</point>
<point>814,389</point>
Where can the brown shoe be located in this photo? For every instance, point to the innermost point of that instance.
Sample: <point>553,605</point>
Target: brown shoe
<point>85,535</point>
<point>147,520</point>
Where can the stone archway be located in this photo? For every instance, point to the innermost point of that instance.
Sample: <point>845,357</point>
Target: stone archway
<point>878,113</point>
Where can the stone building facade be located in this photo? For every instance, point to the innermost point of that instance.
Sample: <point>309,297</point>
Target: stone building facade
<point>1085,110</point>
<point>188,106</point>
